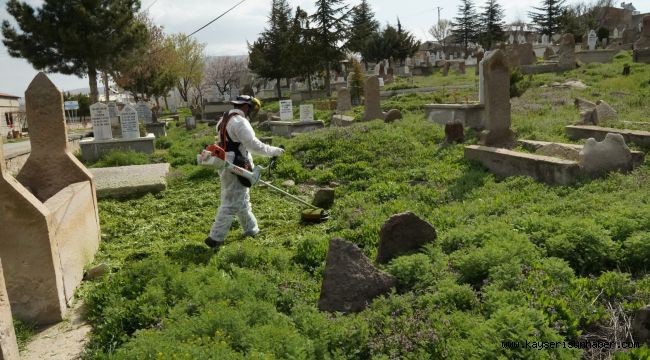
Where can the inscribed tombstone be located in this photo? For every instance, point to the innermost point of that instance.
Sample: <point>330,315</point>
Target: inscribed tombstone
<point>144,113</point>
<point>101,120</point>
<point>112,112</point>
<point>592,38</point>
<point>130,124</point>
<point>286,110</point>
<point>307,112</point>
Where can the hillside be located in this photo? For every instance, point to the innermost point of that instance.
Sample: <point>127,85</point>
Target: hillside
<point>514,261</point>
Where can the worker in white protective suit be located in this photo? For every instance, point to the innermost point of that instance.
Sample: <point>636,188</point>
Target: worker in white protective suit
<point>237,138</point>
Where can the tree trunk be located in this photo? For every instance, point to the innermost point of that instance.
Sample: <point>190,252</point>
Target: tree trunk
<point>107,92</point>
<point>278,88</point>
<point>166,104</point>
<point>309,85</point>
<point>92,81</point>
<point>327,79</point>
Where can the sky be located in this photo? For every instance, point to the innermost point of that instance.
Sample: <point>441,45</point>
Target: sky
<point>228,35</point>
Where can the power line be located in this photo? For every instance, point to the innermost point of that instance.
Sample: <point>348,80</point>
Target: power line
<point>217,18</point>
<point>149,7</point>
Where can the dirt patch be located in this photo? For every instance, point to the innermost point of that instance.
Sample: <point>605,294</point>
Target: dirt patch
<point>63,341</point>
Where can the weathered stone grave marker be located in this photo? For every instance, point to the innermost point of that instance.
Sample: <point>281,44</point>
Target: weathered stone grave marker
<point>592,39</point>
<point>343,101</point>
<point>144,113</point>
<point>372,108</point>
<point>112,112</point>
<point>48,214</point>
<point>497,100</point>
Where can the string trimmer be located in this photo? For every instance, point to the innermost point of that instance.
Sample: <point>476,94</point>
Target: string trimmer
<point>215,156</point>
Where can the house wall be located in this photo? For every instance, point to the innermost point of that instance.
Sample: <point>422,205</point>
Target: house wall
<point>7,105</point>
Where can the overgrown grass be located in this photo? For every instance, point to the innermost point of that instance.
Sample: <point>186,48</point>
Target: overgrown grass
<point>24,332</point>
<point>515,260</point>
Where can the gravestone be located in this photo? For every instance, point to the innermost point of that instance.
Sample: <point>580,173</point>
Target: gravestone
<point>611,154</point>
<point>544,39</point>
<point>48,214</point>
<point>402,234</point>
<point>307,112</point>
<point>454,133</point>
<point>567,52</point>
<point>129,122</point>
<point>112,112</point>
<point>445,68</point>
<point>172,108</point>
<point>479,57</point>
<point>526,54</point>
<point>461,68</point>
<point>549,53</point>
<point>190,123</point>
<point>343,102</point>
<point>615,33</point>
<point>511,39</point>
<point>382,69</point>
<point>144,113</point>
<point>100,118</point>
<point>497,101</point>
<point>644,40</point>
<point>350,280</point>
<point>286,110</point>
<point>8,343</point>
<point>521,39</point>
<point>381,82</point>
<point>592,39</point>
<point>372,106</point>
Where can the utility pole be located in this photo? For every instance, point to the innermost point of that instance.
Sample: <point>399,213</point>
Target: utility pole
<point>439,8</point>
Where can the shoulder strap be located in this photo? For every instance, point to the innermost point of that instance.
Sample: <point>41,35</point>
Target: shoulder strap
<point>225,139</point>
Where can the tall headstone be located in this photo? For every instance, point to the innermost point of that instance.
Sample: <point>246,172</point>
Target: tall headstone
<point>286,110</point>
<point>48,214</point>
<point>101,120</point>
<point>144,113</point>
<point>382,69</point>
<point>130,124</point>
<point>521,39</point>
<point>567,52</point>
<point>526,54</point>
<point>112,112</point>
<point>479,57</point>
<point>548,53</point>
<point>592,39</point>
<point>497,101</point>
<point>615,34</point>
<point>307,112</point>
<point>511,39</point>
<point>373,107</point>
<point>343,101</point>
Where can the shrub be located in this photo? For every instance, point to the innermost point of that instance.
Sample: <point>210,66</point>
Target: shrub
<point>410,271</point>
<point>163,143</point>
<point>636,252</point>
<point>518,83</point>
<point>311,253</point>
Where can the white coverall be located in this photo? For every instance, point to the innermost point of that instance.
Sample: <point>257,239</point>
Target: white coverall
<point>235,198</point>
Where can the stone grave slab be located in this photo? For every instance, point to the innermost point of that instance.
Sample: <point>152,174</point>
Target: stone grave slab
<point>92,150</point>
<point>639,137</point>
<point>125,181</point>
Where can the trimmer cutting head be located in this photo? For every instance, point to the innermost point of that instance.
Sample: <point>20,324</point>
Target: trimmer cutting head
<point>314,216</point>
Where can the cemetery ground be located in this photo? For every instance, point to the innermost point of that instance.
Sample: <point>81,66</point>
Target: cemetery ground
<point>514,260</point>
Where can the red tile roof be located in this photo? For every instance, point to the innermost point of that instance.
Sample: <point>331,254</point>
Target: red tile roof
<point>3,95</point>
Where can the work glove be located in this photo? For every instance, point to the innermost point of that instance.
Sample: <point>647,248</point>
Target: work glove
<point>278,152</point>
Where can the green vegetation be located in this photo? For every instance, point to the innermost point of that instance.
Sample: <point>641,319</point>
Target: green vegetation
<point>24,332</point>
<point>515,260</point>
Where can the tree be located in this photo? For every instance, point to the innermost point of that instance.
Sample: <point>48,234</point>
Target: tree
<point>303,46</point>
<point>189,55</point>
<point>151,71</point>
<point>392,43</point>
<point>547,17</point>
<point>269,55</point>
<point>465,27</point>
<point>492,22</point>
<point>80,37</point>
<point>441,31</point>
<point>224,72</point>
<point>406,44</point>
<point>330,20</point>
<point>363,26</point>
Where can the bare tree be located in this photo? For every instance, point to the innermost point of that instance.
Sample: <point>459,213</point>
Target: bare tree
<point>441,32</point>
<point>224,72</point>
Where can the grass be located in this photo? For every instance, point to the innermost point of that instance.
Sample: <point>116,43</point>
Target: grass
<point>515,260</point>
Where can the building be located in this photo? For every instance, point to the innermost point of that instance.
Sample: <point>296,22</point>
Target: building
<point>9,114</point>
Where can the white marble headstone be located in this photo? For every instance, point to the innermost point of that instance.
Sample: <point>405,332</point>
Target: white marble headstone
<point>544,39</point>
<point>130,124</point>
<point>381,82</point>
<point>286,110</point>
<point>521,39</point>
<point>101,121</point>
<point>511,39</point>
<point>592,38</point>
<point>307,112</point>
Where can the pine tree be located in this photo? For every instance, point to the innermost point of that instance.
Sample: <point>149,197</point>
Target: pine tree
<point>492,22</point>
<point>406,44</point>
<point>547,17</point>
<point>465,25</point>
<point>303,47</point>
<point>363,25</point>
<point>269,56</point>
<point>74,37</point>
<point>330,20</point>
